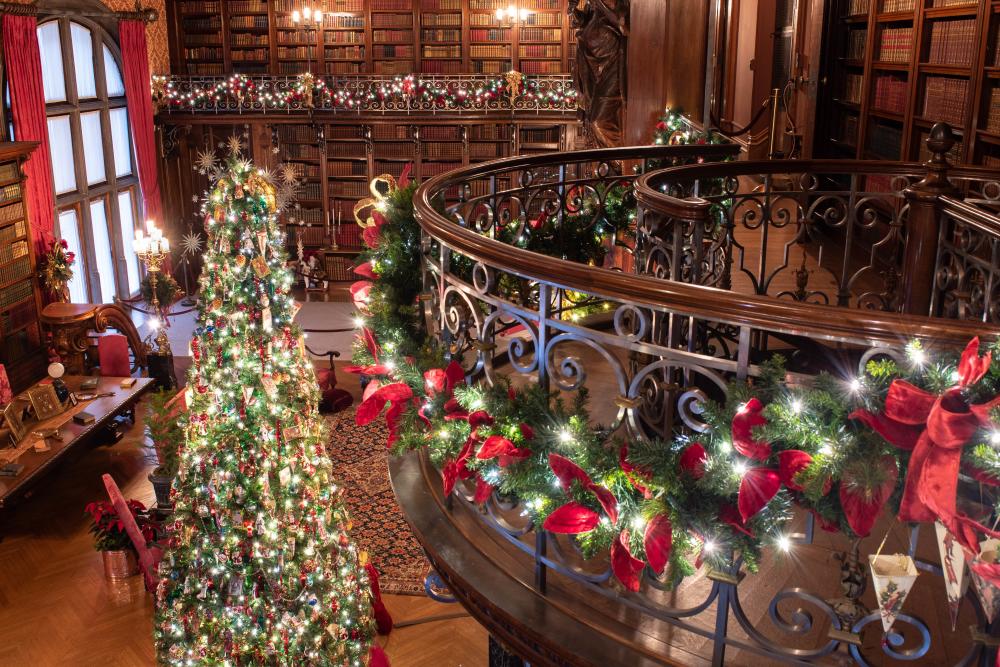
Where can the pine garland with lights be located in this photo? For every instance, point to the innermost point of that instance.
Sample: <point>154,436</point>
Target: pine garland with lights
<point>259,568</point>
<point>720,496</point>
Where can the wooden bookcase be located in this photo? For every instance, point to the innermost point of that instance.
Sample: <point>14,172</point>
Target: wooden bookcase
<point>895,67</point>
<point>337,167</point>
<point>22,348</point>
<point>215,37</point>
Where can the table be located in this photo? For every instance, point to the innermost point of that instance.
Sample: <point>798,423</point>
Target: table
<point>104,409</point>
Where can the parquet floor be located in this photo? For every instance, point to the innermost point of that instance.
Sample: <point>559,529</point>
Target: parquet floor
<point>56,608</point>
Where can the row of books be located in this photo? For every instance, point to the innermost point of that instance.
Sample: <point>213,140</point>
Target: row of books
<point>441,151</point>
<point>441,5</point>
<point>951,3</point>
<point>298,37</point>
<point>540,35</point>
<point>247,39</point>
<point>393,66</point>
<point>309,190</point>
<point>493,35</point>
<point>253,55</point>
<point>197,39</point>
<point>491,66</point>
<point>885,141</point>
<point>491,5</point>
<point>13,213</point>
<point>892,6</point>
<point>19,268</point>
<point>441,19</point>
<point>890,94</point>
<point>204,69</point>
<point>200,7</point>
<point>953,42</point>
<point>12,251</point>
<point>344,37</point>
<point>392,5</point>
<point>993,119</point>
<point>540,51</point>
<point>17,317</point>
<point>442,52</point>
<point>300,52</point>
<point>397,36</point>
<point>345,52</point>
<point>848,130</point>
<point>349,168</point>
<point>301,134</point>
<point>440,133</point>
<point>393,51</point>
<point>856,43</point>
<point>441,35</point>
<point>853,85</point>
<point>306,170</point>
<point>255,22</point>
<point>211,23</point>
<point>246,6</point>
<point>543,19</point>
<point>391,133</point>
<point>541,66</point>
<point>537,135</point>
<point>348,188</point>
<point>302,151</point>
<point>203,53</point>
<point>856,7</point>
<point>945,99</point>
<point>392,20</point>
<point>442,67</point>
<point>344,68</point>
<point>895,45</point>
<point>16,292</point>
<point>489,51</point>
<point>541,4</point>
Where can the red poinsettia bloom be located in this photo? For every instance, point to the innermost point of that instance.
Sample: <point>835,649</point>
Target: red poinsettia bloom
<point>692,460</point>
<point>572,517</point>
<point>746,418</point>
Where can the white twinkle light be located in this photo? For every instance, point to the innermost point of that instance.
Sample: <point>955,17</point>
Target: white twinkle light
<point>995,438</point>
<point>565,436</point>
<point>740,468</point>
<point>784,543</point>
<point>796,406</point>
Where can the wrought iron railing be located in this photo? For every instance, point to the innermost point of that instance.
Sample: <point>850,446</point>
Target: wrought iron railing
<point>368,93</point>
<point>656,344</point>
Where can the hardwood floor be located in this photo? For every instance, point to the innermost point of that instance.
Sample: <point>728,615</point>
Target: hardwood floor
<point>57,609</point>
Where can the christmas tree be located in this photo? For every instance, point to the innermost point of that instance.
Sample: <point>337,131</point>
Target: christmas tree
<point>259,569</point>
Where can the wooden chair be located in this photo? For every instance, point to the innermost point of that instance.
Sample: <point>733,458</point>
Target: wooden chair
<point>150,554</point>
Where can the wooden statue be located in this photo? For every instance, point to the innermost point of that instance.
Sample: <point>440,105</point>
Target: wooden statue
<point>600,77</point>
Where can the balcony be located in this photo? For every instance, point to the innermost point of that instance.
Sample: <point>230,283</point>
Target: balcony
<point>831,264</point>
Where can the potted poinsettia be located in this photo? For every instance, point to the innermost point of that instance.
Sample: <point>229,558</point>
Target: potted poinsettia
<point>57,269</point>
<point>110,538</point>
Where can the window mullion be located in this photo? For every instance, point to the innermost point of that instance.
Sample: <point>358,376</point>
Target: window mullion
<point>69,69</point>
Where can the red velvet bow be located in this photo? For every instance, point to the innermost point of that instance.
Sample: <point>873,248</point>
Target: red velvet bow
<point>398,394</point>
<point>457,469</point>
<point>497,446</point>
<point>365,270</point>
<point>573,518</point>
<point>935,428</point>
<point>360,291</point>
<point>746,418</point>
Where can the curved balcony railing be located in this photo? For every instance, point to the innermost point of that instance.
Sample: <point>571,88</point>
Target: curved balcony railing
<point>655,344</point>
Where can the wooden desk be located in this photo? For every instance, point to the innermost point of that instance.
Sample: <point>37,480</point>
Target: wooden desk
<point>75,435</point>
<point>71,325</point>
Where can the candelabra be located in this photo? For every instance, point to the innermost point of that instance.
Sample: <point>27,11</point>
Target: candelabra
<point>310,19</point>
<point>152,250</point>
<point>512,14</point>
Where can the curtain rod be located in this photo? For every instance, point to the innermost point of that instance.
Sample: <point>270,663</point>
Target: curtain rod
<point>148,15</point>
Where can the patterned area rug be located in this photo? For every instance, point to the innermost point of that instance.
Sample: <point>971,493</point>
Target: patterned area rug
<point>360,466</point>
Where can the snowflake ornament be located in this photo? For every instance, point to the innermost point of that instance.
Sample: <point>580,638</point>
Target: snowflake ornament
<point>206,161</point>
<point>191,244</point>
<point>234,145</point>
<point>289,173</point>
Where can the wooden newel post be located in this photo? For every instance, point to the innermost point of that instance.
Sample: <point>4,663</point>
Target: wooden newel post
<point>923,224</point>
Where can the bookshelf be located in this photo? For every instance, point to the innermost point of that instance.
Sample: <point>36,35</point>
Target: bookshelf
<point>217,37</point>
<point>895,67</point>
<point>22,348</point>
<point>353,153</point>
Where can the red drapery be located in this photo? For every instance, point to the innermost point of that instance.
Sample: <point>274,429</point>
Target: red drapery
<point>138,95</point>
<point>27,101</point>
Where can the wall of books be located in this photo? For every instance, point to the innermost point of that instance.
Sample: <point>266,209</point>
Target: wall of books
<point>337,166</point>
<point>895,67</point>
<point>213,37</point>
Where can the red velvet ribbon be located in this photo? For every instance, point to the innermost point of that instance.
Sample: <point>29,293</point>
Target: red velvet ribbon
<point>935,428</point>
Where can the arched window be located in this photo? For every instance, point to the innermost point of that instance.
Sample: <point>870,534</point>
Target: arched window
<point>93,163</point>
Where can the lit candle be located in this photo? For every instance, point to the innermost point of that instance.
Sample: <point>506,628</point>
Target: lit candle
<point>306,13</point>
<point>150,225</point>
<point>500,13</point>
<point>296,17</point>
<point>164,245</point>
<point>318,16</point>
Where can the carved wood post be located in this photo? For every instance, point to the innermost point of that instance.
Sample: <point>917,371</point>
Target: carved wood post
<point>923,224</point>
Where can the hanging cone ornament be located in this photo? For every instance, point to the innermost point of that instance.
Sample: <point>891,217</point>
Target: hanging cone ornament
<point>893,576</point>
<point>956,579</point>
<point>986,590</point>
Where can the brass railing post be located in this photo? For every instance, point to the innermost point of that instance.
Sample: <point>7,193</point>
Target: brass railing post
<point>923,224</point>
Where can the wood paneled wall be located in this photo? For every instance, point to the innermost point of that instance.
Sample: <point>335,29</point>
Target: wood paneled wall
<point>667,43</point>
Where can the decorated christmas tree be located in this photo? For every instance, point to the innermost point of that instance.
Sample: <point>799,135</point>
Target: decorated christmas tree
<point>259,568</point>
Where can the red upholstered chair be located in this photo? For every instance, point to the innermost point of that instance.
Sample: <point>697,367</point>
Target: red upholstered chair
<point>150,555</point>
<point>112,351</point>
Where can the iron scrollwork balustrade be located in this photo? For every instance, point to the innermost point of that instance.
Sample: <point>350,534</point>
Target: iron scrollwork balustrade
<point>659,349</point>
<point>365,93</point>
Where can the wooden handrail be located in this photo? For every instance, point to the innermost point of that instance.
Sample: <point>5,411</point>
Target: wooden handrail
<point>869,327</point>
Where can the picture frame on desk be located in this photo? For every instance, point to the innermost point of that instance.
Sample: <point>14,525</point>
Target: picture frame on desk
<point>12,421</point>
<point>45,402</point>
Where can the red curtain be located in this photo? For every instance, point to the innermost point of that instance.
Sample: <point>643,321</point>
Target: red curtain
<point>27,101</point>
<point>138,94</point>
